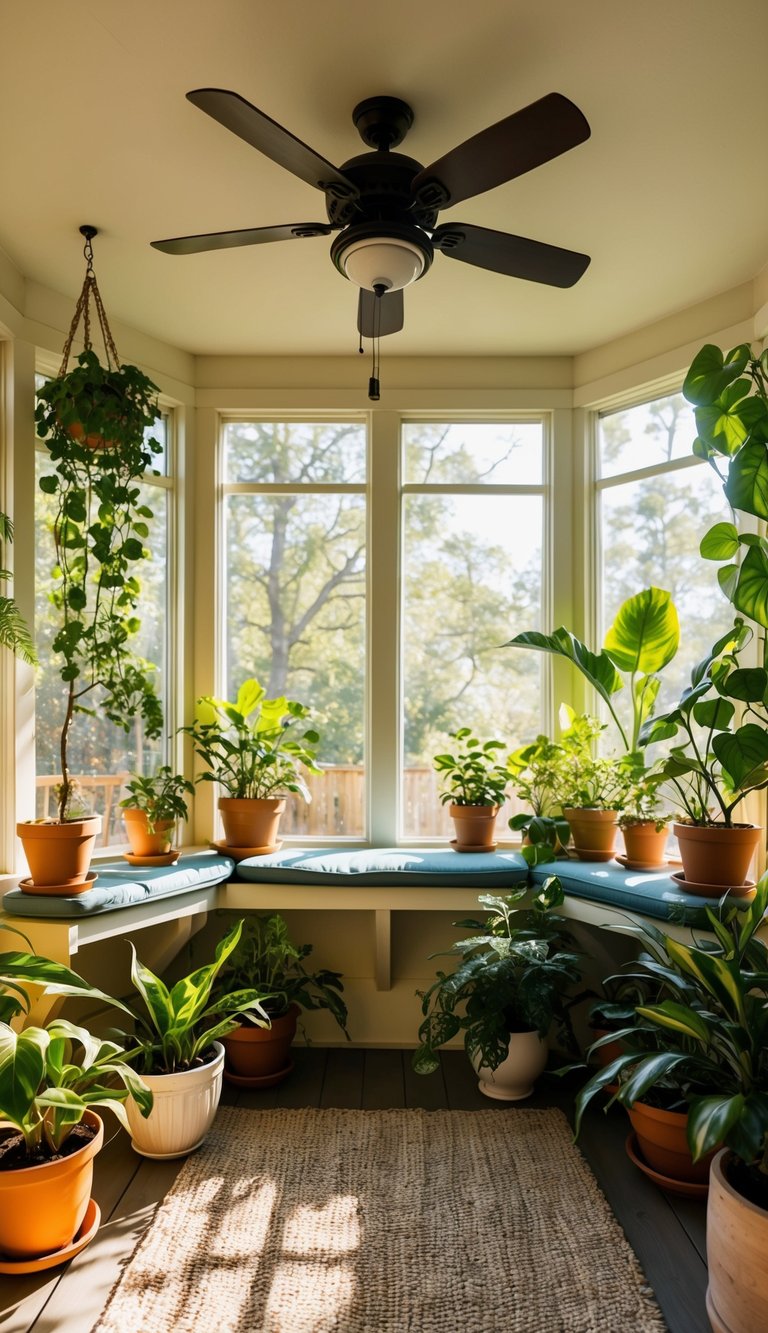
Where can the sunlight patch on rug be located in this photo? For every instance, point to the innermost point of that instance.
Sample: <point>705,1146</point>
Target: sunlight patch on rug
<point>333,1221</point>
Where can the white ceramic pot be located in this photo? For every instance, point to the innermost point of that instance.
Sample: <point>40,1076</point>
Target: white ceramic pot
<point>183,1110</point>
<point>514,1078</point>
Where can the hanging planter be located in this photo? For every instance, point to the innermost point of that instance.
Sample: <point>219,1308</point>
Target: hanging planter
<point>95,421</point>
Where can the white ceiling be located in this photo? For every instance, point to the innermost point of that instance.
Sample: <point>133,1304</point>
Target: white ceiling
<point>669,196</point>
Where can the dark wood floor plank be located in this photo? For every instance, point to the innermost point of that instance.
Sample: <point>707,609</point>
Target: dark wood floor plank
<point>461,1084</point>
<point>383,1086</point>
<point>671,1263</point>
<point>343,1084</point>
<point>304,1085</point>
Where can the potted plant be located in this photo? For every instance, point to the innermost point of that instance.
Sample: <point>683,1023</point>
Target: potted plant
<point>475,789</point>
<point>99,529</point>
<point>266,960</point>
<point>53,1079</point>
<point>510,987</point>
<point>14,632</point>
<point>150,811</point>
<point>717,763</point>
<point>251,749</point>
<point>594,788</point>
<point>536,772</point>
<point>644,827</point>
<point>175,1046</point>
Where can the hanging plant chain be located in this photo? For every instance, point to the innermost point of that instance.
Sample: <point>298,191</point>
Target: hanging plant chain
<point>90,292</point>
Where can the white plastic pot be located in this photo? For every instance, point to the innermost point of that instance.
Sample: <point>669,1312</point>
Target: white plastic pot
<point>514,1078</point>
<point>183,1111</point>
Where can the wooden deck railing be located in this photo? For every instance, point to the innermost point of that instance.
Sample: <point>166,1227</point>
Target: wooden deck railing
<point>336,810</point>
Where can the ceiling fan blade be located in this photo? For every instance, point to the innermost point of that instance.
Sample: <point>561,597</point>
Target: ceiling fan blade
<point>379,315</point>
<point>271,139</point>
<point>225,240</point>
<point>512,146</point>
<point>517,256</point>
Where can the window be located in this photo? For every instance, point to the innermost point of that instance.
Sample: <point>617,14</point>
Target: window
<point>656,502</point>
<point>472,520</point>
<point>294,594</point>
<point>101,754</point>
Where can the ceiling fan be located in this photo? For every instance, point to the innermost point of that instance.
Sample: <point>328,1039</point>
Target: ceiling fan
<point>384,205</point>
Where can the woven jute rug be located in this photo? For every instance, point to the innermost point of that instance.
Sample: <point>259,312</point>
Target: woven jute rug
<point>381,1222</point>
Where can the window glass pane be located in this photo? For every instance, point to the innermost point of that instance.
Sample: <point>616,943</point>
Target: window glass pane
<point>651,530</point>
<point>295,618</point>
<point>159,433</point>
<point>472,579</point>
<point>494,452</point>
<point>645,435</point>
<point>100,754</point>
<point>294,451</point>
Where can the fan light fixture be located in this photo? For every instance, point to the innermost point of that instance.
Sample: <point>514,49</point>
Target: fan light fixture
<point>386,262</point>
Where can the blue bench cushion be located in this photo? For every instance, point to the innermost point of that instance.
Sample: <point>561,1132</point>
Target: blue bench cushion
<point>121,885</point>
<point>654,893</point>
<point>387,866</point>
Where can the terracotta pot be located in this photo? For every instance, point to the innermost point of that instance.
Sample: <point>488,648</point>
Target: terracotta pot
<point>60,854</point>
<point>183,1109</point>
<point>514,1078</point>
<point>251,823</point>
<point>261,1052</point>
<point>475,826</point>
<point>663,1143</point>
<point>594,833</point>
<point>737,1256</point>
<point>645,844</point>
<point>42,1207</point>
<point>713,854</point>
<point>144,843</point>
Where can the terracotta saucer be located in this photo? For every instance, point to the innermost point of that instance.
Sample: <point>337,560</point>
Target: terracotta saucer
<point>689,1189</point>
<point>59,890</point>
<point>162,859</point>
<point>641,865</point>
<point>491,848</point>
<point>585,854</point>
<point>745,890</point>
<point>240,853</point>
<point>85,1234</point>
<point>263,1081</point>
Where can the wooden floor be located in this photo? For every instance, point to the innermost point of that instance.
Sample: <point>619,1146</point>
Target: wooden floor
<point>667,1234</point>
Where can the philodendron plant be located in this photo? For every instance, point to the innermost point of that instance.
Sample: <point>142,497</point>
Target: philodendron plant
<point>730,398</point>
<point>717,763</point>
<point>642,640</point>
<point>472,773</point>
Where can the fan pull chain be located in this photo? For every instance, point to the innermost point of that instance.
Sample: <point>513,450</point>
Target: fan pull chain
<point>90,291</point>
<point>374,390</point>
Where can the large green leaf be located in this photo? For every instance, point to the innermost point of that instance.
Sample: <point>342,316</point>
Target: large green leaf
<point>750,593</point>
<point>747,485</point>
<point>720,978</point>
<point>646,632</point>
<point>597,667</point>
<point>747,684</point>
<point>716,714</point>
<point>710,1120</point>
<point>720,543</point>
<point>677,1018</point>
<point>743,754</point>
<point>721,425</point>
<point>710,372</point>
<point>22,1066</point>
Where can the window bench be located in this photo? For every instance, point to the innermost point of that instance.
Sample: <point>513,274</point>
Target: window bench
<point>377,882</point>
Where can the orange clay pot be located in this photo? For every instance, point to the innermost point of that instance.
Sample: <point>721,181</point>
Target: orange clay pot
<point>645,844</point>
<point>713,854</point>
<point>737,1255</point>
<point>251,823</point>
<point>259,1053</point>
<point>42,1207</point>
<point>663,1143</point>
<point>475,826</point>
<point>594,833</point>
<point>144,843</point>
<point>60,854</point>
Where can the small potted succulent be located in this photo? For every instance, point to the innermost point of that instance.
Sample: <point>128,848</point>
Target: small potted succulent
<point>254,749</point>
<point>150,813</point>
<point>475,787</point>
<point>510,988</point>
<point>267,960</point>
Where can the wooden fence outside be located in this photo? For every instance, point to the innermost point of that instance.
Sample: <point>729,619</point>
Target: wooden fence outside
<point>337,808</point>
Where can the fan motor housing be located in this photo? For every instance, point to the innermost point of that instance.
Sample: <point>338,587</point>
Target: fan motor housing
<point>384,184</point>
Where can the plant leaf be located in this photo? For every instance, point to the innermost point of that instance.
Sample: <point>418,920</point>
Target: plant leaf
<point>645,634</point>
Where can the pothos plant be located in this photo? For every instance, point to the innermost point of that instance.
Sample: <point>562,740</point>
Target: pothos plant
<point>95,423</point>
<point>472,775</point>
